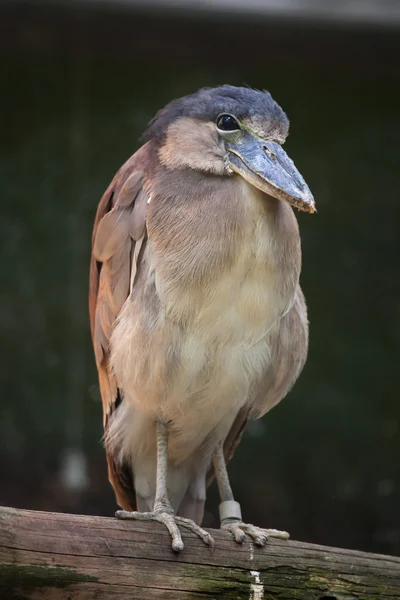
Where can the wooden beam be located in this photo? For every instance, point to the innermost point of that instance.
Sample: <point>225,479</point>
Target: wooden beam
<point>52,556</point>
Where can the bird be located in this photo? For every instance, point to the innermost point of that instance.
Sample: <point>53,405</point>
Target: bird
<point>198,320</point>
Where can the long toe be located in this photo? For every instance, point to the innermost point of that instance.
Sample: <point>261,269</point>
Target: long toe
<point>170,523</point>
<point>134,515</point>
<point>199,531</point>
<point>282,535</point>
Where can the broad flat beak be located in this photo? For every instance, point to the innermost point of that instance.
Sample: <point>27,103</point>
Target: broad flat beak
<point>267,166</point>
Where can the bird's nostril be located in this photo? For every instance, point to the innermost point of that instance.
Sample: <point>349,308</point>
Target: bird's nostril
<point>269,152</point>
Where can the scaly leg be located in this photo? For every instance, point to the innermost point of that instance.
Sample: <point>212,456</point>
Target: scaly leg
<point>162,510</point>
<point>229,509</point>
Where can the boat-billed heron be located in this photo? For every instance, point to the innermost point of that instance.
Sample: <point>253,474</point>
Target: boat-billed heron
<point>198,319</point>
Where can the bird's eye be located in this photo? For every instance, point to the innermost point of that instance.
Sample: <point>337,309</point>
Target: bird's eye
<point>227,123</point>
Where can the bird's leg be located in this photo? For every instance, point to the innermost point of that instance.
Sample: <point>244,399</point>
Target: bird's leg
<point>229,509</point>
<point>162,509</point>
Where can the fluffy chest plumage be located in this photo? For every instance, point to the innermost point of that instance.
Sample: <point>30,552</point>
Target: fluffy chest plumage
<point>233,270</point>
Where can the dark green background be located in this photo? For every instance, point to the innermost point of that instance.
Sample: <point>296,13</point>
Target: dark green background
<point>78,89</point>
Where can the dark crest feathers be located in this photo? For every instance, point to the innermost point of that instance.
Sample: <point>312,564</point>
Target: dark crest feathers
<point>208,103</point>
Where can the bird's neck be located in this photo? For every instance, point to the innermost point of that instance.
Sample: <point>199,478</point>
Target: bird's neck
<point>207,230</point>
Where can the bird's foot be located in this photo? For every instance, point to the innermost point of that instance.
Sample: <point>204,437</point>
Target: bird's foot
<point>171,522</point>
<point>239,530</point>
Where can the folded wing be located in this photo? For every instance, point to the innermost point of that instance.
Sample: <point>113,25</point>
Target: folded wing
<point>118,241</point>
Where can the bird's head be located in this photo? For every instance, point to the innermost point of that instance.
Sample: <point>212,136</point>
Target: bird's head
<point>228,130</point>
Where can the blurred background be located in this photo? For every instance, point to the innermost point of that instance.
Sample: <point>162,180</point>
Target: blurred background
<point>80,80</point>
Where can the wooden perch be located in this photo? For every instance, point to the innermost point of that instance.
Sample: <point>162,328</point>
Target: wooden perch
<point>51,556</point>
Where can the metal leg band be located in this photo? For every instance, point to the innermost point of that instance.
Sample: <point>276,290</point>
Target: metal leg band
<point>230,510</point>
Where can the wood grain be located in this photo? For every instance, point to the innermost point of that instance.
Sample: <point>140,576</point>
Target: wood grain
<point>52,556</point>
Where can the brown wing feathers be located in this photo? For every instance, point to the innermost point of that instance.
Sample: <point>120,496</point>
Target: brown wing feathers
<point>118,235</point>
<point>120,223</point>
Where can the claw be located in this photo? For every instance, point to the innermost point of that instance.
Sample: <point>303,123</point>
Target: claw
<point>177,546</point>
<point>260,540</point>
<point>240,536</point>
